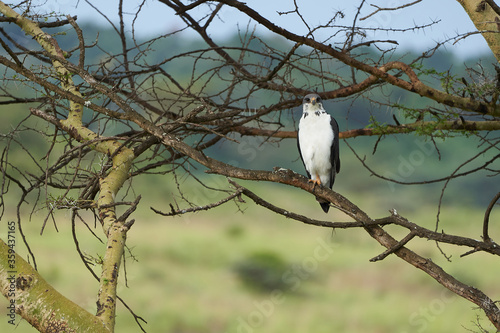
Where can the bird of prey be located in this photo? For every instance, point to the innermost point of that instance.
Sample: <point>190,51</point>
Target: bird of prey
<point>318,143</point>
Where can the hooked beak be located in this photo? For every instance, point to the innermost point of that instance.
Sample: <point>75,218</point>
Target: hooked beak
<point>313,100</point>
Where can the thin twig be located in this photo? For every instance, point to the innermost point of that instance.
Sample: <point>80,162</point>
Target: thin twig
<point>130,210</point>
<point>486,237</point>
<point>174,212</point>
<point>379,9</point>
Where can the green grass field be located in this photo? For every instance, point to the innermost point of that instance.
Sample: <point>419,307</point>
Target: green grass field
<point>182,276</point>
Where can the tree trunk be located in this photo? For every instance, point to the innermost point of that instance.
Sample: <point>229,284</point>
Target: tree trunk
<point>485,16</point>
<point>30,296</point>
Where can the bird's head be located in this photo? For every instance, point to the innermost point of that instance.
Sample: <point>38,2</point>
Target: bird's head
<point>312,102</point>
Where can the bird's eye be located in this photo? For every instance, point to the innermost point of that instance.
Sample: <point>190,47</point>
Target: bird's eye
<point>318,99</point>
<point>307,99</point>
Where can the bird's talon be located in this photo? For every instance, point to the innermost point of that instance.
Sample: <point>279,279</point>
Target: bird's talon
<point>315,182</point>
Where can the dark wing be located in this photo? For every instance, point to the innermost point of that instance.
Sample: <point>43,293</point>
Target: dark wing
<point>300,153</point>
<point>334,151</point>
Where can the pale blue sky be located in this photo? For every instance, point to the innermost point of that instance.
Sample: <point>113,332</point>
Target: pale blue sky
<point>156,17</point>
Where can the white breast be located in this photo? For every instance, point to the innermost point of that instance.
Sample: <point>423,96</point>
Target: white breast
<point>315,140</point>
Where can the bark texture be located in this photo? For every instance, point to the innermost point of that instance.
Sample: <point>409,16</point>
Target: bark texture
<point>486,18</point>
<point>38,302</point>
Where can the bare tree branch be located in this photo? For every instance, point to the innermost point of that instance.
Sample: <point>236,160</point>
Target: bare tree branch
<point>486,221</point>
<point>379,9</point>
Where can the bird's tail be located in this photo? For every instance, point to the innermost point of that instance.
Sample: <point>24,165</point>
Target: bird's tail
<point>325,205</point>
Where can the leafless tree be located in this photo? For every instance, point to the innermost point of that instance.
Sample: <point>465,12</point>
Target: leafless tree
<point>113,120</point>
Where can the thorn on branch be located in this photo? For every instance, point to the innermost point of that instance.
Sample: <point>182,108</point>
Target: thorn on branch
<point>174,212</point>
<point>379,9</point>
<point>470,252</point>
<point>369,43</point>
